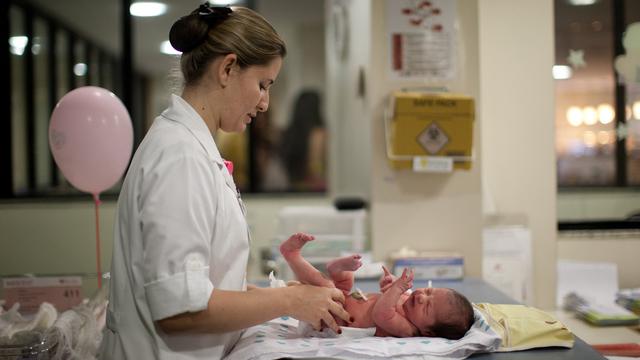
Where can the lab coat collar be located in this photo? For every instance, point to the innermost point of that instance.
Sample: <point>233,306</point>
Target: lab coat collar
<point>182,112</point>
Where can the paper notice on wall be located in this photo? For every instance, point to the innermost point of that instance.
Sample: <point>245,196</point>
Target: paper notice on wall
<point>506,261</point>
<point>421,39</point>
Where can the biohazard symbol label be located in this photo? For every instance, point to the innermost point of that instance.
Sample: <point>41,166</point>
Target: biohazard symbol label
<point>433,139</point>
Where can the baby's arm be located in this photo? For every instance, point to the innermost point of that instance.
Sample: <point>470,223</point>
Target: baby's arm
<point>384,311</point>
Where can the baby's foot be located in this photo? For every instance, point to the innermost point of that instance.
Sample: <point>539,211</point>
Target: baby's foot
<point>347,263</point>
<point>293,244</point>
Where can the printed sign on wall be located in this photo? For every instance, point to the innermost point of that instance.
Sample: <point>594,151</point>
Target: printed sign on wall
<point>422,39</point>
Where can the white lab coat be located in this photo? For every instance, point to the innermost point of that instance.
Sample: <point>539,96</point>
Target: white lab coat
<point>180,232</point>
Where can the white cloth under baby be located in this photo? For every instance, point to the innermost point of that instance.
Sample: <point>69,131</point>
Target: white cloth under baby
<point>306,330</point>
<point>280,338</point>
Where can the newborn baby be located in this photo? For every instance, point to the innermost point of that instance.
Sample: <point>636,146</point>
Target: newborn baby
<point>433,312</point>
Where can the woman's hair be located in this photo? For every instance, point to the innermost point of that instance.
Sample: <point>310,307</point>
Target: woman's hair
<point>209,32</point>
<point>295,140</point>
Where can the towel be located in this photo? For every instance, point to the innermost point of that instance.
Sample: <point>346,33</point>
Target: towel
<point>281,338</point>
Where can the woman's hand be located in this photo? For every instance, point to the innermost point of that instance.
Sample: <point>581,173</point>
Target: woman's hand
<point>386,280</point>
<point>317,306</point>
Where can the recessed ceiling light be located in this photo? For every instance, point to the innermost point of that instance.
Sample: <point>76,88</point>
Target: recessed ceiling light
<point>166,48</point>
<point>582,2</point>
<point>80,69</point>
<point>222,2</point>
<point>17,44</point>
<point>561,72</point>
<point>147,8</point>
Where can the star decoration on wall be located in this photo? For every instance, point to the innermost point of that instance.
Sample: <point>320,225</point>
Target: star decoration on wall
<point>622,131</point>
<point>576,58</point>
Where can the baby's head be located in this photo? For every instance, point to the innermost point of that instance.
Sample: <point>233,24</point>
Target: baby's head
<point>439,312</point>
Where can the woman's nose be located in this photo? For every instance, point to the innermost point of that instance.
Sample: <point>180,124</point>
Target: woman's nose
<point>263,104</point>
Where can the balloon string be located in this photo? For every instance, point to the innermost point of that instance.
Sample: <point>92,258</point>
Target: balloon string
<point>96,199</point>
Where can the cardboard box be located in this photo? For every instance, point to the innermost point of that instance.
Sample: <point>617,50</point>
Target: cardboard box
<point>439,124</point>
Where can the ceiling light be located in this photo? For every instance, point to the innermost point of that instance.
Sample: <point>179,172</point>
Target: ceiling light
<point>606,114</point>
<point>80,69</point>
<point>589,115</point>
<point>222,2</point>
<point>17,44</point>
<point>561,72</point>
<point>147,8</point>
<point>582,2</point>
<point>574,116</point>
<point>589,138</point>
<point>636,110</point>
<point>166,48</point>
<point>604,137</point>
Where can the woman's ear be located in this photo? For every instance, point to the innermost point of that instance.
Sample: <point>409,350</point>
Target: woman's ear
<point>226,67</point>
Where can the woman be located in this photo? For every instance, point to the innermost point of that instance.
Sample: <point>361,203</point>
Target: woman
<point>178,287</point>
<point>303,144</point>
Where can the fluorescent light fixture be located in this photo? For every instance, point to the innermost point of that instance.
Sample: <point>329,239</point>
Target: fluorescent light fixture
<point>147,8</point>
<point>166,48</point>
<point>222,2</point>
<point>17,44</point>
<point>561,72</point>
<point>80,69</point>
<point>582,2</point>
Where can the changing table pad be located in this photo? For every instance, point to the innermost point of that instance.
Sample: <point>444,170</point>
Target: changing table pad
<point>280,338</point>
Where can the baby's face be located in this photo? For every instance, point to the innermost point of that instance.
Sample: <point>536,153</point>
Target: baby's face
<point>427,307</point>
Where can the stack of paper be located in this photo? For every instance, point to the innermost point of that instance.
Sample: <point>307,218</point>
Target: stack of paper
<point>606,315</point>
<point>589,289</point>
<point>630,299</point>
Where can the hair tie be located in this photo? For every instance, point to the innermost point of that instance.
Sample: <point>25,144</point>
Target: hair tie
<point>184,40</point>
<point>213,14</point>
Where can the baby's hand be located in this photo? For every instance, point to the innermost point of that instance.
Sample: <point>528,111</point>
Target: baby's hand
<point>386,280</point>
<point>404,282</point>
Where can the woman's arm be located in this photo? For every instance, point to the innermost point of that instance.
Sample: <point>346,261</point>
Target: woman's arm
<point>384,311</point>
<point>236,310</point>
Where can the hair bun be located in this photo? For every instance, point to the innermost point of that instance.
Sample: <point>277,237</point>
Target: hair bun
<point>188,32</point>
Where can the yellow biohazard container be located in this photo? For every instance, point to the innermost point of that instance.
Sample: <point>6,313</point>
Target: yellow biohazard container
<point>427,127</point>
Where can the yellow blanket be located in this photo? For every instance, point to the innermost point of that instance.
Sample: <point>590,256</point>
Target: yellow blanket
<point>522,327</point>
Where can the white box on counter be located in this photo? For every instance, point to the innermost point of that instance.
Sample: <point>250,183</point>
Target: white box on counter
<point>431,267</point>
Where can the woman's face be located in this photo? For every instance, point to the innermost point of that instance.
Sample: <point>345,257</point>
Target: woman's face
<point>247,94</point>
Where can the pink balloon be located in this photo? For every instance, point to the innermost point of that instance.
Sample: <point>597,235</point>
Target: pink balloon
<point>91,138</point>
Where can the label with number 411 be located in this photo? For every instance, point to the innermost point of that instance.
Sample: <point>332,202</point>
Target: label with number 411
<point>439,164</point>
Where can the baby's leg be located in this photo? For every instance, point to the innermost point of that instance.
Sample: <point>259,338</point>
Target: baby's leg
<point>341,271</point>
<point>304,271</point>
